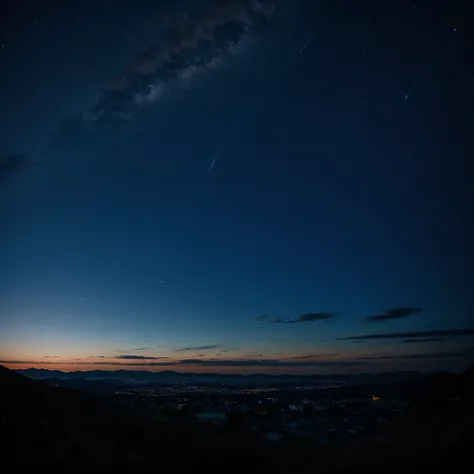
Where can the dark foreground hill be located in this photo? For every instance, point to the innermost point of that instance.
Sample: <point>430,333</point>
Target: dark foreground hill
<point>46,426</point>
<point>434,434</point>
<point>42,425</point>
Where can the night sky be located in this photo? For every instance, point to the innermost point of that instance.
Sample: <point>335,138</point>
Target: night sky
<point>236,186</point>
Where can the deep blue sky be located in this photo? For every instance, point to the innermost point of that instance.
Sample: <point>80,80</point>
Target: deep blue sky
<point>331,194</point>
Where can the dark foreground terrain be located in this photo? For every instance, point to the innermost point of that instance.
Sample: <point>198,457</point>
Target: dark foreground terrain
<point>43,425</point>
<point>434,434</point>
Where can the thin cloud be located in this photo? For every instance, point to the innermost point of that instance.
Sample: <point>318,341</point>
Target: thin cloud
<point>309,317</point>
<point>426,339</point>
<point>266,363</point>
<point>276,321</point>
<point>138,357</point>
<point>35,362</point>
<point>395,313</point>
<point>444,333</point>
<point>260,318</point>
<point>199,348</point>
<point>303,318</point>
<point>100,357</point>
<point>141,349</point>
<point>87,363</point>
<point>314,356</point>
<point>302,357</point>
<point>428,355</point>
<point>52,357</point>
<point>202,363</point>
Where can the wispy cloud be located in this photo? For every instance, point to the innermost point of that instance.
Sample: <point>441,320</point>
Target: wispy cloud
<point>395,313</point>
<point>141,349</point>
<point>306,318</point>
<point>303,318</point>
<point>138,357</point>
<point>199,348</point>
<point>314,356</point>
<point>444,333</point>
<point>428,355</point>
<point>88,363</point>
<point>25,362</point>
<point>267,363</point>
<point>52,357</point>
<point>426,339</point>
<point>198,362</point>
<point>276,321</point>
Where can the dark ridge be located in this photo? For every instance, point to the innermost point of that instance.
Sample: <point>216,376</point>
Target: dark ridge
<point>76,431</point>
<point>54,427</point>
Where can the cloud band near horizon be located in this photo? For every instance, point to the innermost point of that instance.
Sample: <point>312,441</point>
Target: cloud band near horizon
<point>413,335</point>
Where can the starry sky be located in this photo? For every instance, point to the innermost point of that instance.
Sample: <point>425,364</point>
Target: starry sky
<point>236,185</point>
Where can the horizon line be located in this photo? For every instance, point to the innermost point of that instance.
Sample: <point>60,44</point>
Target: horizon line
<point>227,374</point>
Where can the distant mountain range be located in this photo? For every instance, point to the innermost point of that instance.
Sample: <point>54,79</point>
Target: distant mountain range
<point>171,376</point>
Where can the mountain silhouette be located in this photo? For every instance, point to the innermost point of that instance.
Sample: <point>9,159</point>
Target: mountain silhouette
<point>69,429</point>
